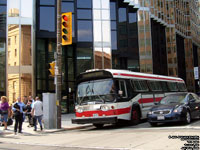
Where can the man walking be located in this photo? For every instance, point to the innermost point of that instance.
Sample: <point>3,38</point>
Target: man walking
<point>18,109</point>
<point>37,112</point>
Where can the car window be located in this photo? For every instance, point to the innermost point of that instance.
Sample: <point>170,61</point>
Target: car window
<point>190,97</point>
<point>196,96</point>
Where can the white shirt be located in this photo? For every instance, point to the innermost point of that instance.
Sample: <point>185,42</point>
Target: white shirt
<point>37,106</point>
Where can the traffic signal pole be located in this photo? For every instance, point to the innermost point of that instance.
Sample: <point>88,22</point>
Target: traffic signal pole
<point>58,66</point>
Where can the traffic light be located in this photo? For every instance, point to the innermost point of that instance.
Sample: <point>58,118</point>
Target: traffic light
<point>66,28</point>
<point>52,68</point>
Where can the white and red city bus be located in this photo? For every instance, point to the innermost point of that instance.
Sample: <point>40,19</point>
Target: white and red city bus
<point>106,96</point>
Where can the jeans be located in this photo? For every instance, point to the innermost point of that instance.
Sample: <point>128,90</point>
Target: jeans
<point>39,118</point>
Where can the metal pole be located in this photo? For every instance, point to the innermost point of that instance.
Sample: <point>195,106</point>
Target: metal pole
<point>58,64</point>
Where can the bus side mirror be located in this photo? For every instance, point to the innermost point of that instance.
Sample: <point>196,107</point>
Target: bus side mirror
<point>120,92</point>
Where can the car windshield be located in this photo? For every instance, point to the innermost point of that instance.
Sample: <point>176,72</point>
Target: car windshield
<point>98,91</point>
<point>179,98</point>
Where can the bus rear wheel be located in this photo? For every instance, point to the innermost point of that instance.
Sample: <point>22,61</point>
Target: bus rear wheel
<point>98,126</point>
<point>135,116</point>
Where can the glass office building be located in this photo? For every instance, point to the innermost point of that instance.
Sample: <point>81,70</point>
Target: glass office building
<point>152,36</point>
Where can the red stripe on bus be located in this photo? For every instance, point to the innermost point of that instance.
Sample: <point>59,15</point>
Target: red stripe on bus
<point>147,77</point>
<point>104,113</point>
<point>149,100</point>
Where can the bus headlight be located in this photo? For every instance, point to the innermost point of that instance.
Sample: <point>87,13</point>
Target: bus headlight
<point>79,110</point>
<point>104,108</point>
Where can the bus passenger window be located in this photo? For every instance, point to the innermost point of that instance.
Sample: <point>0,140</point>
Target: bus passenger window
<point>172,86</point>
<point>164,86</point>
<point>139,85</point>
<point>155,86</point>
<point>181,87</point>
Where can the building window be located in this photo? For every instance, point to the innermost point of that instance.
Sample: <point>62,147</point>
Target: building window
<point>84,14</point>
<point>67,7</point>
<point>15,52</point>
<point>9,41</point>
<point>85,31</point>
<point>84,4</point>
<point>47,2</point>
<point>47,19</point>
<point>15,39</point>
<point>15,64</point>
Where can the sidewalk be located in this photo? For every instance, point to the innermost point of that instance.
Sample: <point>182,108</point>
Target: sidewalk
<point>66,125</point>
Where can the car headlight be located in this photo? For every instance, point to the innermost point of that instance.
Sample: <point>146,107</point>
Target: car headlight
<point>79,110</point>
<point>150,113</point>
<point>178,110</point>
<point>105,108</point>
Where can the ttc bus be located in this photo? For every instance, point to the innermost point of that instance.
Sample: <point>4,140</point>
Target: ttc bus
<point>109,95</point>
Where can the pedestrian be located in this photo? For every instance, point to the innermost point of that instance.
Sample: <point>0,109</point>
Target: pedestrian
<point>18,109</point>
<point>4,107</point>
<point>37,112</point>
<point>28,113</point>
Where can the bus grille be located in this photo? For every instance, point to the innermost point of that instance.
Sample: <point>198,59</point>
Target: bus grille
<point>162,112</point>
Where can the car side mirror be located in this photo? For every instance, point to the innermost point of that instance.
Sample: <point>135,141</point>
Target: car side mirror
<point>120,92</point>
<point>192,100</point>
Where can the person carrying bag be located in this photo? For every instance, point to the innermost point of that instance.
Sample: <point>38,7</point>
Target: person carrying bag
<point>4,107</point>
<point>18,110</point>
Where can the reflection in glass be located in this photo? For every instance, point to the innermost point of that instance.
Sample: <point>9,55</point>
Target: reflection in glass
<point>97,31</point>
<point>85,31</point>
<point>105,4</point>
<point>122,16</point>
<point>84,14</point>
<point>26,8</point>
<point>13,8</point>
<point>3,2</point>
<point>113,10</point>
<point>47,19</point>
<point>84,3</point>
<point>107,58</point>
<point>67,7</point>
<point>47,2</point>
<point>85,59</point>
<point>96,14</point>
<point>114,40</point>
<point>13,45</point>
<point>105,14</point>
<point>2,67</point>
<point>106,31</point>
<point>19,58</point>
<point>97,4</point>
<point>98,57</point>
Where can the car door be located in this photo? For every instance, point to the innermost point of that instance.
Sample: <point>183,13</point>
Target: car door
<point>193,104</point>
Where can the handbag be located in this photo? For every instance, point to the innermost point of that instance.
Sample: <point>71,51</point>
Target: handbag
<point>10,122</point>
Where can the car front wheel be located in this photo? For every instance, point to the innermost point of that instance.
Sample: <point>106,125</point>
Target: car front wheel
<point>188,118</point>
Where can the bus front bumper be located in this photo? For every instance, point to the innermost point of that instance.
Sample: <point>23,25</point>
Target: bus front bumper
<point>102,120</point>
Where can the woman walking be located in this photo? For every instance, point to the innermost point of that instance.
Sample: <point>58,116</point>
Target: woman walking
<point>4,107</point>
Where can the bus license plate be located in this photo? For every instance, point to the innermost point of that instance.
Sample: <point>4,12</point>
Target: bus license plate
<point>160,117</point>
<point>95,115</point>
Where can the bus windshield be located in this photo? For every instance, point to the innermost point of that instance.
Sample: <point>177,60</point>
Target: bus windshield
<point>96,91</point>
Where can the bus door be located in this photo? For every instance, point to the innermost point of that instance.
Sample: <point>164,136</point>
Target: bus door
<point>147,102</point>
